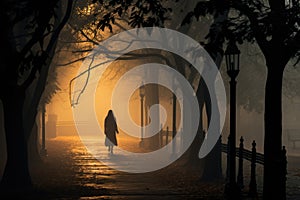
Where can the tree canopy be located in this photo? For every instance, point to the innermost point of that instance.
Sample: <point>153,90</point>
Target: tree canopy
<point>264,22</point>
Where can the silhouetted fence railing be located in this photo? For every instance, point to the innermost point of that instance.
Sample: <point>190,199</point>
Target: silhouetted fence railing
<point>166,136</point>
<point>247,154</point>
<point>254,158</point>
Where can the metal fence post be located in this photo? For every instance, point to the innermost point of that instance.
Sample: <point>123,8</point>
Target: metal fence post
<point>167,135</point>
<point>161,136</point>
<point>240,177</point>
<point>253,185</point>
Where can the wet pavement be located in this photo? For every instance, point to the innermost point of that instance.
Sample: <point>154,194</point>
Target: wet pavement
<point>70,172</point>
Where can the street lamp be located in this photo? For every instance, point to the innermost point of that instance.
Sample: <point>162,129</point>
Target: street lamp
<point>142,95</point>
<point>232,56</point>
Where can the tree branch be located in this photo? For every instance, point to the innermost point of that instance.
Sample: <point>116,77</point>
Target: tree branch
<point>88,39</point>
<point>293,46</point>
<point>129,56</point>
<point>258,34</point>
<point>49,48</point>
<point>72,62</point>
<point>32,111</point>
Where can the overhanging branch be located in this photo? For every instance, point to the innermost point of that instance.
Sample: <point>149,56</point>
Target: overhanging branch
<point>258,33</point>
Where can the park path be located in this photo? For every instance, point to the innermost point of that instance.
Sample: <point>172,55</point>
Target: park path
<point>70,172</point>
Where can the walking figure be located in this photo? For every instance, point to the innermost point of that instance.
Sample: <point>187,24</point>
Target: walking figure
<point>110,130</point>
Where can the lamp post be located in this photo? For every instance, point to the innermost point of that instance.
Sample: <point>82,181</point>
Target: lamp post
<point>232,56</point>
<point>142,95</point>
<point>43,149</point>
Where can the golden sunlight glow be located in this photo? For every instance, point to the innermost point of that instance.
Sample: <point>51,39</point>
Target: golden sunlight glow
<point>87,10</point>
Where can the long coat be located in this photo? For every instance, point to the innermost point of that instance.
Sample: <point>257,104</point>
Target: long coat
<point>110,130</point>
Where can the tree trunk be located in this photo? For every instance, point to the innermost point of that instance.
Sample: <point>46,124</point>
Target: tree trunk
<point>193,151</point>
<point>152,98</point>
<point>273,180</point>
<point>213,166</point>
<point>2,142</point>
<point>212,162</point>
<point>34,146</point>
<point>16,173</point>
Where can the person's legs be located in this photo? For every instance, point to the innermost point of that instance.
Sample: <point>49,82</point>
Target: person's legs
<point>112,149</point>
<point>108,148</point>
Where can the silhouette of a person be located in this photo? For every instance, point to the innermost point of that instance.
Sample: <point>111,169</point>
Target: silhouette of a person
<point>110,130</point>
